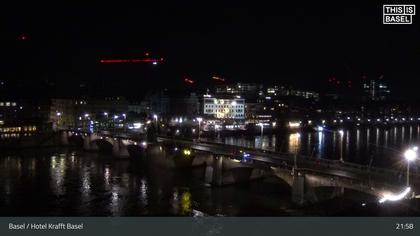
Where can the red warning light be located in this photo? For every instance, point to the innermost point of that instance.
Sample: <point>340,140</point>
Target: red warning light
<point>134,60</point>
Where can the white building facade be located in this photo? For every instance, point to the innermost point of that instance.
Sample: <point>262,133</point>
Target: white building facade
<point>224,108</point>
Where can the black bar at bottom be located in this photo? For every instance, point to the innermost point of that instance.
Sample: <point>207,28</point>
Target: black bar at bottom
<point>185,226</point>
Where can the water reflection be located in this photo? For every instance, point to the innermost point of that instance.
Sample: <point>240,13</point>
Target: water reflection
<point>67,183</point>
<point>143,192</point>
<point>294,142</point>
<point>57,172</point>
<point>85,188</point>
<point>186,203</point>
<point>355,145</point>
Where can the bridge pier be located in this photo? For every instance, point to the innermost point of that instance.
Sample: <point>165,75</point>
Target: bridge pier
<point>223,171</point>
<point>119,149</point>
<point>298,188</point>
<point>303,189</point>
<point>64,138</point>
<point>302,192</point>
<point>88,145</point>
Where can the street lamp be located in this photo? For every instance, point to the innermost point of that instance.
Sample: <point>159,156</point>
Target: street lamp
<point>341,132</point>
<point>199,119</point>
<point>58,119</point>
<point>294,142</point>
<point>262,128</point>
<point>296,149</point>
<point>156,118</point>
<point>410,155</point>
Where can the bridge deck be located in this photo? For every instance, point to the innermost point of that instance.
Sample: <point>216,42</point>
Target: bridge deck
<point>286,160</point>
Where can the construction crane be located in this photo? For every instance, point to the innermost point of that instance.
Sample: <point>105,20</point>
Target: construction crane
<point>218,78</point>
<point>188,81</point>
<point>154,61</point>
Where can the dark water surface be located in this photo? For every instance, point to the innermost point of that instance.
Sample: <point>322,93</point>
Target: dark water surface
<point>382,147</point>
<point>71,182</point>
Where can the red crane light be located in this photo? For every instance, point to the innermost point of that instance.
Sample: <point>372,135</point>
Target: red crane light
<point>218,78</point>
<point>189,81</point>
<point>134,60</point>
<point>23,37</point>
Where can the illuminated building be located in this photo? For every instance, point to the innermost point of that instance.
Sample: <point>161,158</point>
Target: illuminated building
<point>223,107</point>
<point>376,90</point>
<point>66,112</point>
<point>19,119</point>
<point>243,89</point>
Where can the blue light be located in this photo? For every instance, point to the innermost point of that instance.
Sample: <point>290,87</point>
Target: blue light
<point>246,157</point>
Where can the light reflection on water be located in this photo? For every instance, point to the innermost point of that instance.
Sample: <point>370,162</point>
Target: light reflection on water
<point>61,182</point>
<point>358,145</point>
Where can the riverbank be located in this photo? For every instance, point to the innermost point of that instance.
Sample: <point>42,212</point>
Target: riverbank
<point>37,140</point>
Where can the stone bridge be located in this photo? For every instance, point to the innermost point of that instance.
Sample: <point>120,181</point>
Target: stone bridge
<point>119,145</point>
<point>225,165</point>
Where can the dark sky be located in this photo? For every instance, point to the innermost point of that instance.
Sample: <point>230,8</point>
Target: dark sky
<point>302,44</point>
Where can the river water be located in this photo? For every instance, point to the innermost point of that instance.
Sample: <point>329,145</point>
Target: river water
<point>381,147</point>
<point>71,182</point>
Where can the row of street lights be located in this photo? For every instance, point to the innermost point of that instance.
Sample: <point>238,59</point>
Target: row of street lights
<point>199,120</point>
<point>410,154</point>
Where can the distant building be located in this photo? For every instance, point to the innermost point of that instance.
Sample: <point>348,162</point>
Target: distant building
<point>173,103</point>
<point>160,103</point>
<point>188,105</point>
<point>70,112</point>
<point>282,91</point>
<point>243,89</point>
<point>223,107</point>
<point>21,118</point>
<point>376,90</point>
<point>140,108</point>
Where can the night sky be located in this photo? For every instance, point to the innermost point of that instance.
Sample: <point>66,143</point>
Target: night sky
<point>303,44</point>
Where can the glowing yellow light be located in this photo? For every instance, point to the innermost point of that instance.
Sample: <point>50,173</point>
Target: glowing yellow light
<point>186,203</point>
<point>187,152</point>
<point>294,141</point>
<point>294,124</point>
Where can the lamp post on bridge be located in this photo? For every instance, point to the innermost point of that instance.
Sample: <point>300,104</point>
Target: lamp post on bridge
<point>156,123</point>
<point>156,119</point>
<point>199,119</point>
<point>341,132</point>
<point>58,114</point>
<point>295,141</point>
<point>410,155</point>
<point>262,128</point>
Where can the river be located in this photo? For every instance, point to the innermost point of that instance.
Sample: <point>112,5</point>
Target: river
<point>71,182</point>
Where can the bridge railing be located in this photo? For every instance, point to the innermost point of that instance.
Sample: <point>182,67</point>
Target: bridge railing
<point>302,158</point>
<point>363,183</point>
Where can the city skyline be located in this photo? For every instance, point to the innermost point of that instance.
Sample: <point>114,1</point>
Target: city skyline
<point>209,109</point>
